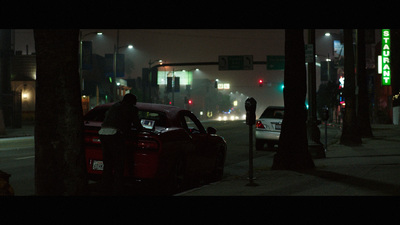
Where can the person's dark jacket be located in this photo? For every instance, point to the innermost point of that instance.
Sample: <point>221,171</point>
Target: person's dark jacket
<point>121,116</point>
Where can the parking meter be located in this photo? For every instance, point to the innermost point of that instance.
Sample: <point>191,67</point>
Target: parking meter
<point>250,106</point>
<point>325,113</point>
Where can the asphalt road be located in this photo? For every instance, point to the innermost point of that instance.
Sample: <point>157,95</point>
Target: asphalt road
<point>19,162</point>
<point>18,159</point>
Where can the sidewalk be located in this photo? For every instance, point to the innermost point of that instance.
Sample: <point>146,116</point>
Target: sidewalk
<point>24,131</point>
<point>371,169</point>
<point>18,137</point>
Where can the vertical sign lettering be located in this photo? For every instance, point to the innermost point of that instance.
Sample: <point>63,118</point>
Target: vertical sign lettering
<point>386,57</point>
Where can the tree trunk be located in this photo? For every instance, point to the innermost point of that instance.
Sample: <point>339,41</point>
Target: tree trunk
<point>59,155</point>
<point>364,123</point>
<point>292,153</point>
<point>395,64</point>
<point>350,132</point>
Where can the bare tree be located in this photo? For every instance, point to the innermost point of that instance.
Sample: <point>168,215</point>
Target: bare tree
<point>292,153</point>
<point>59,159</point>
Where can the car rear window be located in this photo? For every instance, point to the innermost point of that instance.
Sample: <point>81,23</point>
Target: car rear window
<point>273,113</point>
<point>159,117</point>
<point>98,115</point>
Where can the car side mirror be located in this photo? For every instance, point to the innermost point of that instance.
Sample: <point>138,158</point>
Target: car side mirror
<point>211,130</point>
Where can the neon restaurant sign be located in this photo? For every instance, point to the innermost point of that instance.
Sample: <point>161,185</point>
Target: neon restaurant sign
<point>386,75</point>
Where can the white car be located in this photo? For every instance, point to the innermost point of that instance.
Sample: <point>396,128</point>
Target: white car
<point>268,127</point>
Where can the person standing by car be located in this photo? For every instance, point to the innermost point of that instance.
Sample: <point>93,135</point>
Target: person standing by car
<point>115,129</point>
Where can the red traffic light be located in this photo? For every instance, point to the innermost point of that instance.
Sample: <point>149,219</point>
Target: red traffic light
<point>260,82</point>
<point>190,101</point>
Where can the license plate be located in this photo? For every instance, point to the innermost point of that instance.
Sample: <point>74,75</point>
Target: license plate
<point>97,165</point>
<point>277,126</point>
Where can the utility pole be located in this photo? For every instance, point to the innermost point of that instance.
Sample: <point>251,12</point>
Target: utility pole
<point>116,47</point>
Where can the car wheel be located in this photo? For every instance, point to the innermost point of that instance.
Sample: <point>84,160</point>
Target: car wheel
<point>218,171</point>
<point>259,144</point>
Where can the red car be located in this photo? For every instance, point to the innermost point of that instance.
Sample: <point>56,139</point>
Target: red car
<point>174,149</point>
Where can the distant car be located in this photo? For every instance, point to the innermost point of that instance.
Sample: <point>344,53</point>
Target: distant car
<point>174,149</point>
<point>268,127</point>
<point>230,117</point>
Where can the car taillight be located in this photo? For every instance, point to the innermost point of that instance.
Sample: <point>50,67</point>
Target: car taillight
<point>147,145</point>
<point>259,124</point>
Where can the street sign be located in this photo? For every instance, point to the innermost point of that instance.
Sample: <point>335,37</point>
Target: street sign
<point>235,62</point>
<point>275,62</point>
<point>386,57</point>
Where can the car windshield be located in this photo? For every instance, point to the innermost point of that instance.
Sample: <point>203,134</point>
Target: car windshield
<point>273,113</point>
<point>98,115</point>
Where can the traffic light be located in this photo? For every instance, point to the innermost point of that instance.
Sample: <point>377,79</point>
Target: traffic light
<point>260,82</point>
<point>187,101</point>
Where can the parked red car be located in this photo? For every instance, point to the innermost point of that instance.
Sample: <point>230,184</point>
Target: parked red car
<point>174,149</point>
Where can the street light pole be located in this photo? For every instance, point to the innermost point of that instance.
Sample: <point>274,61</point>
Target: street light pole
<point>115,73</point>
<point>173,87</point>
<point>150,76</point>
<point>116,48</point>
<point>81,37</point>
